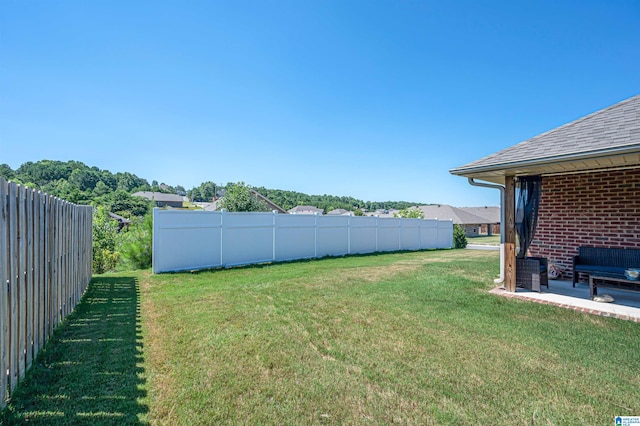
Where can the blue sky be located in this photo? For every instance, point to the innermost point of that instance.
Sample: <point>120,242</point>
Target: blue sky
<point>372,99</point>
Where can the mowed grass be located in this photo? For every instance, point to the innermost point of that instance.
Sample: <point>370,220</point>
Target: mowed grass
<point>91,371</point>
<point>493,240</point>
<point>408,338</point>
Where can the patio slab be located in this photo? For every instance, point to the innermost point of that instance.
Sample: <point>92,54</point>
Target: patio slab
<point>626,304</point>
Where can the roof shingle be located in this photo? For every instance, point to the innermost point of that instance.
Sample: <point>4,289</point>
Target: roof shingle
<point>614,127</point>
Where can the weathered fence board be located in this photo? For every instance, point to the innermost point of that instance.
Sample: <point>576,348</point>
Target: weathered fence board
<point>45,267</point>
<point>197,240</point>
<point>4,292</point>
<point>14,317</point>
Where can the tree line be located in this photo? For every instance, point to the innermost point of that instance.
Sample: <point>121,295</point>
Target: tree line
<point>78,183</point>
<point>116,246</point>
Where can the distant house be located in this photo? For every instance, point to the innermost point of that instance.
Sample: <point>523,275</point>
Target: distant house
<point>492,216</point>
<point>270,204</point>
<point>474,220</point>
<point>383,213</point>
<point>122,221</point>
<point>161,199</point>
<point>340,212</point>
<point>305,210</point>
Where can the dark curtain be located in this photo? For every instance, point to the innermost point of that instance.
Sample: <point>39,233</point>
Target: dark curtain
<point>528,201</point>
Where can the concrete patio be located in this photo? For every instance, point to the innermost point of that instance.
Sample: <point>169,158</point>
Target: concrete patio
<point>626,304</point>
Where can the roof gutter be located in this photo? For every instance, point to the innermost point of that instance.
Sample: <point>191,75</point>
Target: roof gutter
<point>502,222</point>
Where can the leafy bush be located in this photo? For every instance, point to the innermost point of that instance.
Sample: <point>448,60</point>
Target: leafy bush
<point>410,213</point>
<point>105,231</point>
<point>239,198</point>
<point>135,245</point>
<point>459,237</point>
<point>104,260</point>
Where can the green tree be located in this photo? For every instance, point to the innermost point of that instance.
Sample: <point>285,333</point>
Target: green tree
<point>101,189</point>
<point>84,179</point>
<point>410,213</point>
<point>109,180</point>
<point>459,237</point>
<point>61,188</point>
<point>128,205</point>
<point>6,172</point>
<point>194,194</point>
<point>44,171</point>
<point>358,212</point>
<point>239,198</point>
<point>203,193</point>
<point>130,182</point>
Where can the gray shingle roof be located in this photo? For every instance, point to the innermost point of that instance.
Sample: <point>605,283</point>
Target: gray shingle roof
<point>604,131</point>
<point>490,213</point>
<point>159,196</point>
<point>270,204</point>
<point>339,212</point>
<point>305,210</point>
<point>460,216</point>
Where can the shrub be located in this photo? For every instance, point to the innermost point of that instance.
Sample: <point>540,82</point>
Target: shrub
<point>410,213</point>
<point>105,231</point>
<point>459,237</point>
<point>135,245</point>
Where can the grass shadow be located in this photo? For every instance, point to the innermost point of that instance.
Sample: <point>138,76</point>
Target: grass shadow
<point>91,371</point>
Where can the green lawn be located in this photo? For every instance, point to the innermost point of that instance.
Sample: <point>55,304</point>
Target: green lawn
<point>410,338</point>
<point>493,240</point>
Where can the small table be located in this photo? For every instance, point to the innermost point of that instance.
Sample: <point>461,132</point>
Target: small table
<point>611,282</point>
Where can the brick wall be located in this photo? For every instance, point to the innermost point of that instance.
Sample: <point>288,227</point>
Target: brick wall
<point>599,209</point>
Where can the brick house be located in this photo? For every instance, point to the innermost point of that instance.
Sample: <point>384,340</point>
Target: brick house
<point>475,221</point>
<point>590,187</point>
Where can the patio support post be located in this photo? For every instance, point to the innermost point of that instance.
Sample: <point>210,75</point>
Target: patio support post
<point>510,234</point>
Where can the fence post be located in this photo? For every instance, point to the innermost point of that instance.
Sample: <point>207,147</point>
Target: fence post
<point>377,235</point>
<point>223,224</point>
<point>451,234</point>
<point>315,235</point>
<point>275,233</point>
<point>349,234</point>
<point>154,240</point>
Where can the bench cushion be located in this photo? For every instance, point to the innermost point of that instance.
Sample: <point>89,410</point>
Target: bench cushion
<point>595,269</point>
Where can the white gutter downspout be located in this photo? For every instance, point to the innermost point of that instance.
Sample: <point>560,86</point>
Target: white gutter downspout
<point>502,223</point>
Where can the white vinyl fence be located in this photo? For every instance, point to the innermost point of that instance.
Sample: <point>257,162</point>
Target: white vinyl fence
<point>190,240</point>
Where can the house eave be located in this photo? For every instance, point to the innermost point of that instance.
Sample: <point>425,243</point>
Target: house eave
<point>626,156</point>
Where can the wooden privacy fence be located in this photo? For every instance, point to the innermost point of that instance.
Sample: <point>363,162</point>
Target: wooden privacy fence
<point>45,266</point>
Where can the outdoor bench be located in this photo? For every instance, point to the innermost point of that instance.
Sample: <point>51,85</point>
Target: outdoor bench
<point>604,262</point>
